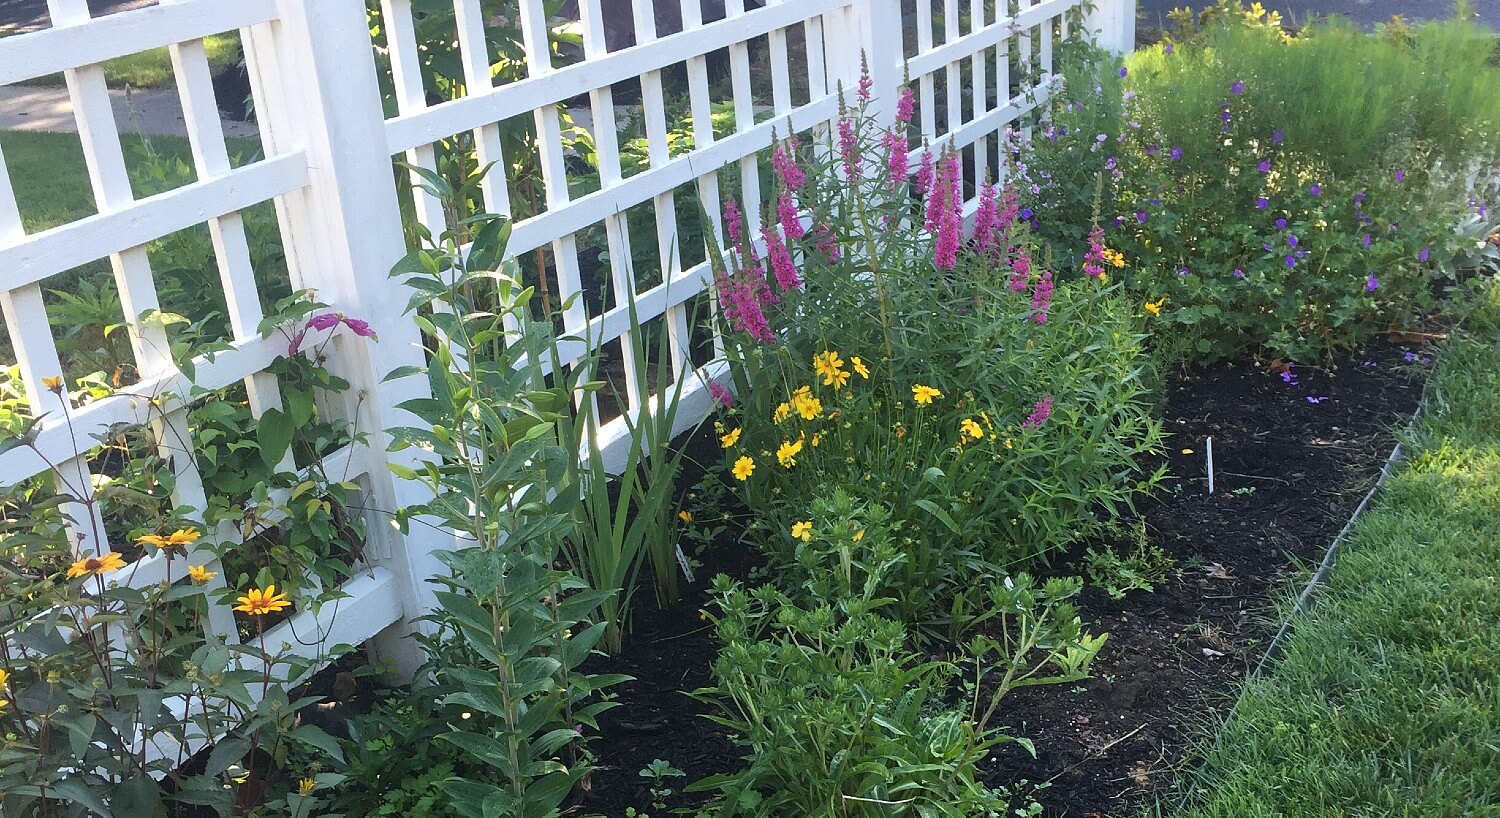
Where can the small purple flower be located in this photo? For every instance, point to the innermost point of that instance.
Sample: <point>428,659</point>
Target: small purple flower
<point>1288,376</point>
<point>1238,273</point>
<point>1408,356</point>
<point>1176,154</point>
<point>1124,71</point>
<point>1278,135</point>
<point>1152,150</point>
<point>1311,399</point>
<point>1264,166</point>
<point>1224,116</point>
<point>1315,190</point>
<point>1027,213</point>
<point>1359,197</point>
<point>1167,49</point>
<point>1111,164</point>
<point>1280,224</point>
<point>1101,138</point>
<point>1422,256</point>
<point>1371,283</point>
<point>1262,203</point>
<point>1237,87</point>
<point>326,321</point>
<point>1365,241</point>
<point>1371,363</point>
<point>1400,176</point>
<point>1141,216</point>
<point>1292,240</point>
<point>1291,261</point>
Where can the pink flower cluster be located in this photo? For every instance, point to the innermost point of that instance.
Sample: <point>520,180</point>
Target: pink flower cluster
<point>1020,270</point>
<point>744,292</point>
<point>1093,260</point>
<point>781,258</point>
<point>721,395</point>
<point>898,151</point>
<point>828,243</point>
<point>1039,414</point>
<point>849,149</point>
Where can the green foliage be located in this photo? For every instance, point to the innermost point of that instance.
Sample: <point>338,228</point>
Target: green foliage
<point>1118,572</point>
<point>512,629</point>
<point>1292,193</point>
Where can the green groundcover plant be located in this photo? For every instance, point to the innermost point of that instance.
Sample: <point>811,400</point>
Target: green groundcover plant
<point>1296,193</point>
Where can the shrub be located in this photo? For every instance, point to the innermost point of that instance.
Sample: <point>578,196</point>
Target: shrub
<point>1293,193</point>
<point>994,414</point>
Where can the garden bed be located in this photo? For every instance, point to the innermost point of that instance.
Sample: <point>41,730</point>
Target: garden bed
<point>1289,473</point>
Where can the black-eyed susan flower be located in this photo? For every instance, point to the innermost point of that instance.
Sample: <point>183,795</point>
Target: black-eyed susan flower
<point>256,602</point>
<point>106,563</point>
<point>178,540</point>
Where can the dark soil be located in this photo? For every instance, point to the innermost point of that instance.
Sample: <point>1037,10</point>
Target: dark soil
<point>1289,472</point>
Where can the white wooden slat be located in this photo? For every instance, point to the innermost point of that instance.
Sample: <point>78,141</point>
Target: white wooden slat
<point>744,120</point>
<point>607,150</point>
<point>926,88</point>
<point>537,44</point>
<point>701,109</point>
<point>932,58</point>
<point>954,83</point>
<point>411,97</point>
<point>1025,48</point>
<point>1046,46</point>
<point>455,116</point>
<point>475,52</point>
<point>373,603</point>
<point>664,204</point>
<point>34,258</point>
<point>990,123</point>
<point>979,71</point>
<point>74,41</point>
<point>781,82</point>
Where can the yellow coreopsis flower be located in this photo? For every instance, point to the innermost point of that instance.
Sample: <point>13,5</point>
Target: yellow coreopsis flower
<point>971,428</point>
<point>806,405</point>
<point>1114,257</point>
<point>831,367</point>
<point>53,383</point>
<point>729,439</point>
<point>859,366</point>
<point>744,467</point>
<point>859,535</point>
<point>924,394</point>
<point>259,603</point>
<point>107,563</point>
<point>787,454</point>
<point>685,516</point>
<point>1154,307</point>
<point>802,531</point>
<point>200,573</point>
<point>782,412</point>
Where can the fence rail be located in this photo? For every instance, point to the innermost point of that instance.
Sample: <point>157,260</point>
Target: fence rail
<point>317,80</point>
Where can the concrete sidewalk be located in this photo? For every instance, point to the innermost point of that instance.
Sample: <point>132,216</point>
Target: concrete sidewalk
<point>149,112</point>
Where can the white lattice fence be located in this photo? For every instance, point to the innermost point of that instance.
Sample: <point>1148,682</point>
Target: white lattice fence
<point>327,166</point>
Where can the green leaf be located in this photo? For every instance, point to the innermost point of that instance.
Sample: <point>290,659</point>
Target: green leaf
<point>274,434</point>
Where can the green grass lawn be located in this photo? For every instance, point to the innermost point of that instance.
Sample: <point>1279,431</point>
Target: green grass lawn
<point>1387,700</point>
<point>153,69</point>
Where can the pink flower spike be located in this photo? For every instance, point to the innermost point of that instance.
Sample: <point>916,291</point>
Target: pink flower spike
<point>866,82</point>
<point>905,105</point>
<point>734,222</point>
<point>849,149</point>
<point>781,259</point>
<point>986,219</point>
<point>1041,297</point>
<point>786,213</point>
<point>1039,414</point>
<point>326,321</point>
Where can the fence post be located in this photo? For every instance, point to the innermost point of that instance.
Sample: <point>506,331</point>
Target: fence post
<point>1112,25</point>
<point>321,92</point>
<point>870,31</point>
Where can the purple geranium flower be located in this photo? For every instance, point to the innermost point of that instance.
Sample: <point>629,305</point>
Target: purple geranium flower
<point>1280,223</point>
<point>1141,216</point>
<point>1152,150</point>
<point>1315,190</point>
<point>1320,399</point>
<point>1262,203</point>
<point>1027,213</point>
<point>1365,241</point>
<point>1278,135</point>
<point>1124,71</point>
<point>1422,256</point>
<point>1291,240</point>
<point>1288,376</point>
<point>1264,166</point>
<point>1291,261</point>
<point>1167,49</point>
<point>1238,273</point>
<point>1176,154</point>
<point>1237,87</point>
<point>1371,283</point>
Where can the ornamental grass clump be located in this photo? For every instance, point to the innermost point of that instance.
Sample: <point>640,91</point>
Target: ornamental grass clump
<point>908,364</point>
<point>1292,193</point>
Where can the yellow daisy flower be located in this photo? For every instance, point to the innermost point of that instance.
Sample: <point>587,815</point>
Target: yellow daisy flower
<point>108,563</point>
<point>802,531</point>
<point>788,452</point>
<point>685,516</point>
<point>259,603</point>
<point>830,366</point>
<point>53,384</point>
<point>782,412</point>
<point>859,535</point>
<point>200,573</point>
<point>971,428</point>
<point>744,467</point>
<point>731,438</point>
<point>924,394</point>
<point>1154,307</point>
<point>807,406</point>
<point>859,366</point>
